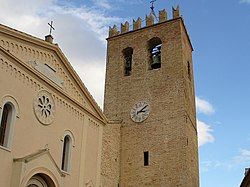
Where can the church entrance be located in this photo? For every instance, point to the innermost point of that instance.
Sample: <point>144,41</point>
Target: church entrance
<point>40,180</point>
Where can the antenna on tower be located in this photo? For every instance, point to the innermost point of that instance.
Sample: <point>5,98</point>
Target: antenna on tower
<point>152,9</point>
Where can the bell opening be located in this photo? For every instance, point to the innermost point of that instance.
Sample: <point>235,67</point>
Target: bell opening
<point>156,57</point>
<point>128,54</point>
<point>156,64</point>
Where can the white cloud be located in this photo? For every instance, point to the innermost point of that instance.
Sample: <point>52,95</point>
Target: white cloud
<point>245,1</point>
<point>95,75</point>
<point>204,133</point>
<point>80,32</point>
<point>243,157</point>
<point>242,160</point>
<point>209,164</point>
<point>115,4</point>
<point>103,3</point>
<point>204,106</point>
<point>204,129</point>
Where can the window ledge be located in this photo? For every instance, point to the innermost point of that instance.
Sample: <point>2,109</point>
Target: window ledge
<point>5,148</point>
<point>65,172</point>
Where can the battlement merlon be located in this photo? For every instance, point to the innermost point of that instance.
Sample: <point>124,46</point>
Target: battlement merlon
<point>176,12</point>
<point>150,20</point>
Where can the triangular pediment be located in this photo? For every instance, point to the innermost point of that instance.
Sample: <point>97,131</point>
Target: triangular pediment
<point>41,156</point>
<point>47,61</point>
<point>40,161</point>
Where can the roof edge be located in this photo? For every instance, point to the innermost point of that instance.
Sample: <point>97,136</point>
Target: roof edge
<point>50,83</point>
<point>37,41</point>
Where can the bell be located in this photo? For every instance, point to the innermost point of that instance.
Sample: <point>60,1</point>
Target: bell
<point>156,61</point>
<point>128,64</point>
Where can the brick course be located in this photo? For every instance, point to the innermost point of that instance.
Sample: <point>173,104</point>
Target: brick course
<point>169,133</point>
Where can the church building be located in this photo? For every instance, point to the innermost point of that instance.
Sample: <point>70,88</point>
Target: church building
<point>53,133</point>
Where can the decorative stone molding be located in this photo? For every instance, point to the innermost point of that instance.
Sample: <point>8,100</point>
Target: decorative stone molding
<point>93,123</point>
<point>47,71</point>
<point>30,54</point>
<point>12,116</point>
<point>23,77</point>
<point>69,133</point>
<point>11,99</point>
<point>44,107</point>
<point>64,104</point>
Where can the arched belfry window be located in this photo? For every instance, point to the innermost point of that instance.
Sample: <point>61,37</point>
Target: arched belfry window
<point>66,154</point>
<point>6,126</point>
<point>154,47</point>
<point>128,57</point>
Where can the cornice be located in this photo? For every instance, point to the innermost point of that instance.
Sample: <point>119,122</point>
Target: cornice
<point>54,47</point>
<point>52,85</point>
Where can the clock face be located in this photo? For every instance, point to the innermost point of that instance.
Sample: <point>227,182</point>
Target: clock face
<point>140,112</point>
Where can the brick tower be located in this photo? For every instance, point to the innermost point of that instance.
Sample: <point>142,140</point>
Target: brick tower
<point>149,99</point>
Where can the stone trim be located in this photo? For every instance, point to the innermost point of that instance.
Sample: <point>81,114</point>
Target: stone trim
<point>33,83</point>
<point>35,57</point>
<point>54,47</point>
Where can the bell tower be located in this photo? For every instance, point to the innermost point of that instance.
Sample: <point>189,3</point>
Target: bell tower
<point>149,97</point>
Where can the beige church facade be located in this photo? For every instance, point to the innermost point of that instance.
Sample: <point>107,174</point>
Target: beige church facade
<point>49,114</point>
<point>53,134</point>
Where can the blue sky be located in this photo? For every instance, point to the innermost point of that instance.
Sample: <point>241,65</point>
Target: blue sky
<point>220,33</point>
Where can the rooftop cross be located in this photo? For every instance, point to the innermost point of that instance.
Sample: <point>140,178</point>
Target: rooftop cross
<point>152,5</point>
<point>152,8</point>
<point>51,27</point>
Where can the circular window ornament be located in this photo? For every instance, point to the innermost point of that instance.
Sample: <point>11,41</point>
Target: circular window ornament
<point>44,107</point>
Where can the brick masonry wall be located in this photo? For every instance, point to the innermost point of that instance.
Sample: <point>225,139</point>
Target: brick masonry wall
<point>110,165</point>
<point>169,133</point>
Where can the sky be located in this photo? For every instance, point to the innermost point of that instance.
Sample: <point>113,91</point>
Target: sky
<point>220,34</point>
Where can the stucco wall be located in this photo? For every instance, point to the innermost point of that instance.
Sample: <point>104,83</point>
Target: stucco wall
<point>22,82</point>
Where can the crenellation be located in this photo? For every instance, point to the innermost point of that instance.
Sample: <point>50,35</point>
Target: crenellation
<point>149,20</point>
<point>137,23</point>
<point>169,135</point>
<point>176,12</point>
<point>162,16</point>
<point>113,31</point>
<point>125,27</point>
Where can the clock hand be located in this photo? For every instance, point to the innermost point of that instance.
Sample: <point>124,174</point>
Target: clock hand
<point>142,110</point>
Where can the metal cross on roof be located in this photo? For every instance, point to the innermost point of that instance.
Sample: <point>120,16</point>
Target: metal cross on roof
<point>152,5</point>
<point>152,9</point>
<point>51,27</point>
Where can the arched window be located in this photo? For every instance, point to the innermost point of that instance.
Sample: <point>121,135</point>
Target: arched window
<point>127,54</point>
<point>6,126</point>
<point>154,47</point>
<point>66,154</point>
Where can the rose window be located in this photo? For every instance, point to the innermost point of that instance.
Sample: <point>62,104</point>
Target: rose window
<point>44,107</point>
